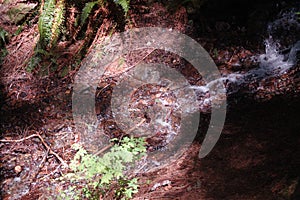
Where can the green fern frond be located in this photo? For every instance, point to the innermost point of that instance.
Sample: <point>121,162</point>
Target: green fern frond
<point>124,4</point>
<point>58,20</point>
<point>50,22</point>
<point>86,11</point>
<point>45,23</point>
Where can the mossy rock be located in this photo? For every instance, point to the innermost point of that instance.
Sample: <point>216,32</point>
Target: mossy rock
<point>18,12</point>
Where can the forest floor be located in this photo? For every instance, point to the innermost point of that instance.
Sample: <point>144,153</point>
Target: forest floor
<point>256,157</point>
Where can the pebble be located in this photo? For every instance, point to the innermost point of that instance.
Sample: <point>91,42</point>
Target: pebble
<point>164,183</point>
<point>18,169</point>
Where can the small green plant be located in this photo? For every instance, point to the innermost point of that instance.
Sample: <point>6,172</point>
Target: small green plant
<point>90,5</point>
<point>19,30</point>
<point>124,4</point>
<point>51,27</point>
<point>50,23</point>
<point>97,174</point>
<point>3,39</point>
<point>88,9</point>
<point>127,188</point>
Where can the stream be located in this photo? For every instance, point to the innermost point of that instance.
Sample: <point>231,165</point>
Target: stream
<point>262,83</point>
<point>275,62</point>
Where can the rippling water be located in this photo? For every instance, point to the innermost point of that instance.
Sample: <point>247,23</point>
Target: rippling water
<point>274,62</point>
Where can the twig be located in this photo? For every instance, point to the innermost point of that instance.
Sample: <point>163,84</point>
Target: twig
<point>20,140</point>
<point>230,60</point>
<point>36,172</point>
<point>53,172</point>
<point>44,159</point>
<point>104,149</point>
<point>102,89</point>
<point>44,143</point>
<point>140,123</point>
<point>132,66</point>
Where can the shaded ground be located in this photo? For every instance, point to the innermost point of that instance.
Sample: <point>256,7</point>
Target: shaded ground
<point>257,156</point>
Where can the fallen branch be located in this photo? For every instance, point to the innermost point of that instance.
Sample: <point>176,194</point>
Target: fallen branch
<point>104,149</point>
<point>131,66</point>
<point>44,143</point>
<point>136,126</point>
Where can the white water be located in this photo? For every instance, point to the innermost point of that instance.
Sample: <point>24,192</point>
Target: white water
<point>272,63</point>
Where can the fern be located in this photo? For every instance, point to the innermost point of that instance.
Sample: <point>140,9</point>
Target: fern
<point>124,4</point>
<point>45,23</point>
<point>3,38</point>
<point>50,23</point>
<point>86,11</point>
<point>58,20</point>
<point>52,18</point>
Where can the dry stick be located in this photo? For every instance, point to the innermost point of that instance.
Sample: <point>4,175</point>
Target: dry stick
<point>44,158</point>
<point>40,166</point>
<point>51,173</point>
<point>126,70</point>
<point>132,66</point>
<point>229,62</point>
<point>44,143</point>
<point>102,89</point>
<point>140,123</point>
<point>104,149</point>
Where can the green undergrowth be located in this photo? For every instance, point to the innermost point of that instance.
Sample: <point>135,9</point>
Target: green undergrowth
<point>3,41</point>
<point>87,10</point>
<point>50,23</point>
<point>52,26</point>
<point>124,4</point>
<point>92,176</point>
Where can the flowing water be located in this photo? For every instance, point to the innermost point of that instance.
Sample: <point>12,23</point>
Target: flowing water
<point>275,61</point>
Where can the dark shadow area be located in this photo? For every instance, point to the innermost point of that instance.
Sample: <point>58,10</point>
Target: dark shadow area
<point>236,22</point>
<point>19,113</point>
<point>14,120</point>
<point>257,156</point>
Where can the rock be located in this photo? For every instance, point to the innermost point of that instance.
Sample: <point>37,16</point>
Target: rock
<point>18,169</point>
<point>15,13</point>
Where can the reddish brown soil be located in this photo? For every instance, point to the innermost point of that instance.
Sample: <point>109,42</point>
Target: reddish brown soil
<point>257,156</point>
